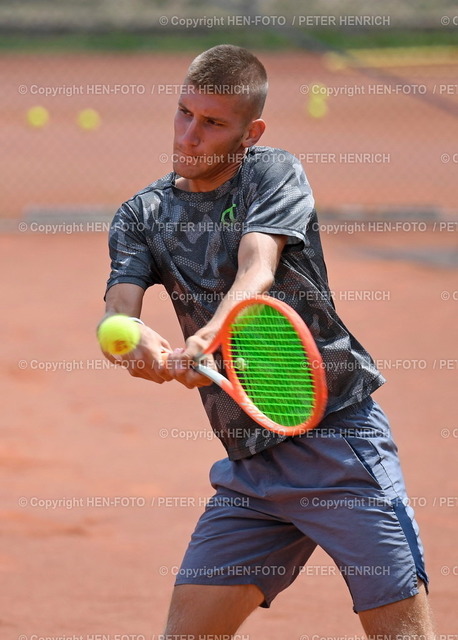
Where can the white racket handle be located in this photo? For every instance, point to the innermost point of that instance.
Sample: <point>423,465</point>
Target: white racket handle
<point>214,376</point>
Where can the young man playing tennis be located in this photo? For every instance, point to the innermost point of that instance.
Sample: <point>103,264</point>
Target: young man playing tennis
<point>234,220</point>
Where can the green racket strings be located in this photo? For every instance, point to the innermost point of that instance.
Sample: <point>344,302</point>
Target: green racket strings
<point>272,365</point>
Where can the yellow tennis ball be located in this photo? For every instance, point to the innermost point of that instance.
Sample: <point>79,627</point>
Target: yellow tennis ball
<point>88,119</point>
<point>240,364</point>
<point>37,117</point>
<point>317,106</point>
<point>118,335</point>
<point>334,61</point>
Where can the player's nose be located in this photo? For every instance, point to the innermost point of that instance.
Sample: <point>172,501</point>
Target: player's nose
<point>190,136</point>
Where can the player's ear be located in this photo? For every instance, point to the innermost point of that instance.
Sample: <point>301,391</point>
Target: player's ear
<point>253,132</point>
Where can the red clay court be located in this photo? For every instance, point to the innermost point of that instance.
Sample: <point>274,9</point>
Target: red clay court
<point>104,476</point>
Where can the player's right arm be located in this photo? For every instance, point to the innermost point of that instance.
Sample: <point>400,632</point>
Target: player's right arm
<point>146,361</point>
<point>132,272</point>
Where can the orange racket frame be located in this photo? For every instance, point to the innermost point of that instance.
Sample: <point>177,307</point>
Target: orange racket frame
<point>233,387</point>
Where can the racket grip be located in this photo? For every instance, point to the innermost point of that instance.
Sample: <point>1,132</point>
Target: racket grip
<point>210,373</point>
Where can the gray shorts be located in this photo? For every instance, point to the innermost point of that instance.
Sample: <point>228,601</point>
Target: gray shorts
<point>339,486</point>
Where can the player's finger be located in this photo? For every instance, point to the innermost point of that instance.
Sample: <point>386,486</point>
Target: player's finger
<point>195,347</point>
<point>177,363</point>
<point>136,366</point>
<point>165,364</point>
<point>194,379</point>
<point>139,365</point>
<point>145,362</point>
<point>165,345</point>
<point>181,369</point>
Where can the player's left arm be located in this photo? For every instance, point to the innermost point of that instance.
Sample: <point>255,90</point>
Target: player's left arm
<point>258,258</point>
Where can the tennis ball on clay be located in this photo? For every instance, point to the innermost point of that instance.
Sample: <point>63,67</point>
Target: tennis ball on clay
<point>317,107</point>
<point>88,119</point>
<point>37,117</point>
<point>118,335</point>
<point>334,61</point>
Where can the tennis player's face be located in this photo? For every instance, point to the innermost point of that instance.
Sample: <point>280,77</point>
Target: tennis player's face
<point>211,133</point>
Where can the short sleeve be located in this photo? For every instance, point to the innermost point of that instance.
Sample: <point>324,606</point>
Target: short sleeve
<point>131,258</point>
<point>283,202</point>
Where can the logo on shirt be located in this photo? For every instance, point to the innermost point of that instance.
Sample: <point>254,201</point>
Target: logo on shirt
<point>229,214</point>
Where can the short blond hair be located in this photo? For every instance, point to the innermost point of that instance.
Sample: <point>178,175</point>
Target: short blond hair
<point>227,69</point>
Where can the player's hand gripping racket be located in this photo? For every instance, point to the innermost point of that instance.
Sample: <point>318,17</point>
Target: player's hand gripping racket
<point>274,367</point>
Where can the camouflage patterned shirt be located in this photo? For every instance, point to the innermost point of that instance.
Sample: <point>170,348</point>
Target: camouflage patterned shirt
<point>188,242</point>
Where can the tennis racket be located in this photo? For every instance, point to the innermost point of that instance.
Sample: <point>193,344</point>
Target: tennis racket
<point>275,371</point>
